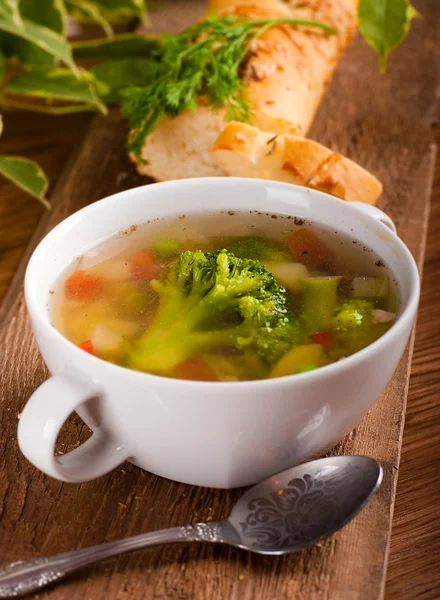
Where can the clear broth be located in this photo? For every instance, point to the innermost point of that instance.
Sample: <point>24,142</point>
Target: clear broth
<point>125,305</point>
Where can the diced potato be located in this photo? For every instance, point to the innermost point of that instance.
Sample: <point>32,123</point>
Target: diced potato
<point>288,274</point>
<point>116,270</point>
<point>105,339</point>
<point>79,323</point>
<point>122,289</point>
<point>309,354</point>
<point>226,369</point>
<point>127,329</point>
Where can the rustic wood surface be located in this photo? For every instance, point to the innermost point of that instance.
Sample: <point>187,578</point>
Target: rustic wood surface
<point>385,123</point>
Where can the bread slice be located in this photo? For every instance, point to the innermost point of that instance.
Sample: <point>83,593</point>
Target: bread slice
<point>180,148</point>
<point>285,76</point>
<point>246,151</point>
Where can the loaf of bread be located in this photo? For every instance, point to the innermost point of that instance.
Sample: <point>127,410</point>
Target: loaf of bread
<point>285,77</point>
<point>246,151</point>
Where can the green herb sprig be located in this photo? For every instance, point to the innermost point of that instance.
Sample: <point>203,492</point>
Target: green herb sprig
<point>202,61</point>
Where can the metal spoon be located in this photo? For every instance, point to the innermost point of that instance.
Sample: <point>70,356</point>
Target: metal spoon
<point>284,513</point>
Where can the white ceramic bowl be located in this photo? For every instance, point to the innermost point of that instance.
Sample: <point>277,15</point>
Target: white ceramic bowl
<point>211,434</point>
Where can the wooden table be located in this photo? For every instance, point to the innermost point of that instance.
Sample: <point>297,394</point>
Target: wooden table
<point>415,547</point>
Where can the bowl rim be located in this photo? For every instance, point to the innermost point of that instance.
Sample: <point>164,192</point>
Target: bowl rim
<point>389,337</point>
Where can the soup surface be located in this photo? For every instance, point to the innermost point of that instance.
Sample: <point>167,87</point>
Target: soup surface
<point>226,296</point>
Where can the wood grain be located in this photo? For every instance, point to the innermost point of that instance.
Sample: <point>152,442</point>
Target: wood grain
<point>415,544</point>
<point>43,516</point>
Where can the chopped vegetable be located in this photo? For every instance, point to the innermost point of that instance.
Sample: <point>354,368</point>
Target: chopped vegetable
<point>82,286</point>
<point>369,287</point>
<point>354,328</point>
<point>288,274</point>
<point>258,248</point>
<point>128,329</point>
<point>117,270</point>
<point>308,248</point>
<point>195,368</point>
<point>305,368</point>
<point>319,302</point>
<point>120,290</point>
<point>87,346</point>
<point>383,316</point>
<point>353,314</point>
<point>325,338</point>
<point>167,247</point>
<point>105,339</point>
<point>144,265</point>
<point>310,354</point>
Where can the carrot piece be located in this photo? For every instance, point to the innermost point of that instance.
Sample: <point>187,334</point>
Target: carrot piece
<point>87,346</point>
<point>325,338</point>
<point>144,265</point>
<point>307,248</point>
<point>195,369</point>
<point>82,286</point>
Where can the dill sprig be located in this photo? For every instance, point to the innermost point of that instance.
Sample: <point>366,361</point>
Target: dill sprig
<point>204,60</point>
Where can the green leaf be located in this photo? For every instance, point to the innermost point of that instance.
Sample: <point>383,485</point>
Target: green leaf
<point>118,11</point>
<point>120,46</point>
<point>49,13</point>
<point>89,11</point>
<point>384,24</point>
<point>2,67</point>
<point>42,37</point>
<point>120,74</point>
<point>57,84</point>
<point>27,175</point>
<point>9,9</point>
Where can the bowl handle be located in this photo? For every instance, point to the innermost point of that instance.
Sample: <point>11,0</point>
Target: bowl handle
<point>41,421</point>
<point>377,214</point>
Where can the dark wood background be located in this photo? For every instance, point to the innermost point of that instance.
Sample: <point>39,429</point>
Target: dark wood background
<point>386,124</point>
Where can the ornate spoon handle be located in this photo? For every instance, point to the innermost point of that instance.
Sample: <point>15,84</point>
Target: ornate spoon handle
<point>27,576</point>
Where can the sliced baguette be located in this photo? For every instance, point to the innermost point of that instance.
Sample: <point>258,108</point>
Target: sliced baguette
<point>246,151</point>
<point>285,77</point>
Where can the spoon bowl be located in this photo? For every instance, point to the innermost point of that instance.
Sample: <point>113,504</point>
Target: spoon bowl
<point>283,514</point>
<point>296,508</point>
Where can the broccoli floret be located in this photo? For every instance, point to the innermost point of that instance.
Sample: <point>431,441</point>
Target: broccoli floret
<point>353,314</point>
<point>258,249</point>
<point>354,328</point>
<point>210,300</point>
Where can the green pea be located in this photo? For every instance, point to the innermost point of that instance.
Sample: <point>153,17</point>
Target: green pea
<point>305,368</point>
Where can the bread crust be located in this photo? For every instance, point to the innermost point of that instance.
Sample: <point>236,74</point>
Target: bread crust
<point>245,150</point>
<point>289,67</point>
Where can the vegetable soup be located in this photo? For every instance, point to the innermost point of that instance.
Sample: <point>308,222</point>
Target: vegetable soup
<point>227,296</point>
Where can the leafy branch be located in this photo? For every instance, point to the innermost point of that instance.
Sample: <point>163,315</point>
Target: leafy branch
<point>151,76</point>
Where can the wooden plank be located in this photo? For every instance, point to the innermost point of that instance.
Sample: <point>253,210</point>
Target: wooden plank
<point>43,516</point>
<point>415,544</point>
